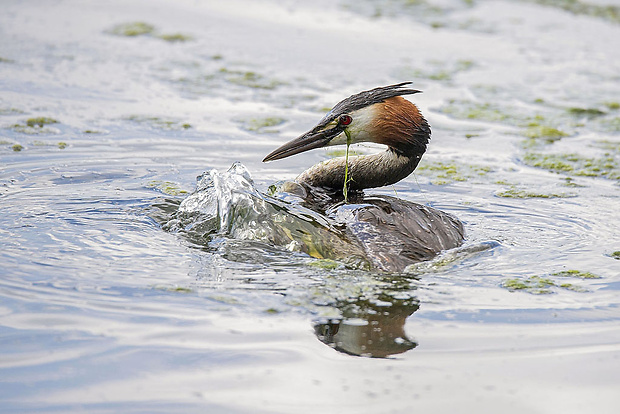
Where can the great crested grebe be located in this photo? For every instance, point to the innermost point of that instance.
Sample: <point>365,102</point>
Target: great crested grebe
<point>393,232</point>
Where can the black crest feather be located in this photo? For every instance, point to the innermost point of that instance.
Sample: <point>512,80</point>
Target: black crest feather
<point>366,98</point>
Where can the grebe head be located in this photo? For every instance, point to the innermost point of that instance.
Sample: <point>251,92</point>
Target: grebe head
<point>379,115</point>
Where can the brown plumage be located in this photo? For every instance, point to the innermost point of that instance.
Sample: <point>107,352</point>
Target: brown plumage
<point>399,124</point>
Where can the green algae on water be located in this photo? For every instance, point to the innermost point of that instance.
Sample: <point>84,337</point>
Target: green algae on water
<point>533,284</point>
<point>550,134</point>
<point>462,109</point>
<point>132,29</point>
<point>326,264</point>
<point>174,37</point>
<point>250,79</point>
<point>166,124</point>
<point>347,179</point>
<point>569,182</point>
<point>515,192</point>
<point>585,112</point>
<point>60,144</point>
<point>40,121</point>
<point>576,274</point>
<point>538,285</point>
<point>579,7</point>
<point>166,187</point>
<point>38,125</point>
<point>135,29</point>
<point>262,125</point>
<point>175,289</point>
<point>10,111</point>
<point>17,147</point>
<point>611,124</point>
<point>575,164</point>
<point>615,255</point>
<point>435,70</point>
<point>442,173</point>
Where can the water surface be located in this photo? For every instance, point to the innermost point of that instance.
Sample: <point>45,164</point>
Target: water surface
<point>104,309</point>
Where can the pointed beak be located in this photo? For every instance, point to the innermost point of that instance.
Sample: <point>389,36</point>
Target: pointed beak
<point>310,140</point>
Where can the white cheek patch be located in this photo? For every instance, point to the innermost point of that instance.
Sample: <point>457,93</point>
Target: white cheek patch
<point>360,128</point>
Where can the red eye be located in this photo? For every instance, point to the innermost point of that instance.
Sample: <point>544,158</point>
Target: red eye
<point>345,120</point>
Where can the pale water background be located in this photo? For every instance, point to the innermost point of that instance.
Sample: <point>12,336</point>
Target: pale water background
<point>103,310</point>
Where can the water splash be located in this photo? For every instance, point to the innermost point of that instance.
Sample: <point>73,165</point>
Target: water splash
<point>228,206</point>
<point>379,232</point>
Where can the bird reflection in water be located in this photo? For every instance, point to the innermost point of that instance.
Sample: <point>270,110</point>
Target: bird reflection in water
<point>369,328</point>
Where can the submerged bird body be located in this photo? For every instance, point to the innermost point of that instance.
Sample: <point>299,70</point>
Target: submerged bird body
<point>393,232</point>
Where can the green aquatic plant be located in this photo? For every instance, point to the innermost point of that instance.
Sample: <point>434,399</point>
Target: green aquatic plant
<point>347,179</point>
<point>10,111</point>
<point>132,29</point>
<point>515,192</point>
<point>612,105</point>
<point>551,162</point>
<point>262,125</point>
<point>569,182</point>
<point>543,285</point>
<point>437,71</point>
<point>575,164</point>
<point>175,289</point>
<point>574,288</point>
<point>533,284</point>
<point>174,37</point>
<point>36,125</point>
<point>17,147</point>
<point>250,79</point>
<point>611,124</point>
<point>326,264</point>
<point>615,255</point>
<point>207,83</point>
<point>536,127</point>
<point>441,173</point>
<point>577,274</point>
<point>40,121</point>
<point>166,187</point>
<point>586,112</point>
<point>156,122</point>
<point>548,133</point>
<point>462,109</point>
<point>135,29</point>
<point>602,11</point>
<point>611,146</point>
